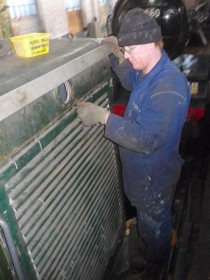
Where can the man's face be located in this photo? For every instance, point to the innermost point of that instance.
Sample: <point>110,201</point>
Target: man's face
<point>140,56</point>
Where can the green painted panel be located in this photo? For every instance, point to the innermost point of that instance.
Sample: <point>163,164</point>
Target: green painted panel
<point>20,127</point>
<point>64,193</point>
<point>60,190</point>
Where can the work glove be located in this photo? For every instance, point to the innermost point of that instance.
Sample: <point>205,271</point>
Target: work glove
<point>90,113</point>
<point>112,43</point>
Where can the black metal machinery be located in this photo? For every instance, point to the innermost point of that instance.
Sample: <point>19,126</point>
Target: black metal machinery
<point>171,15</point>
<point>177,22</point>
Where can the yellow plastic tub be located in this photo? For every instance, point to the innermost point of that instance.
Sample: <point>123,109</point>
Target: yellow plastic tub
<point>30,45</point>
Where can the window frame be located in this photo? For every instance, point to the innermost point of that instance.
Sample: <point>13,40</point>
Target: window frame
<point>72,5</point>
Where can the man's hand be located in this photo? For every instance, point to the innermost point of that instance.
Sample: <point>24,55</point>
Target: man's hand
<point>91,114</point>
<point>112,43</point>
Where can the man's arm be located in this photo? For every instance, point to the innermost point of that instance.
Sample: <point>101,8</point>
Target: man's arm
<point>120,66</point>
<point>152,127</point>
<point>123,71</point>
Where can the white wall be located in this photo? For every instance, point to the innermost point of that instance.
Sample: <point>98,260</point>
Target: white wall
<point>88,11</point>
<point>25,25</point>
<point>53,17</point>
<point>91,9</point>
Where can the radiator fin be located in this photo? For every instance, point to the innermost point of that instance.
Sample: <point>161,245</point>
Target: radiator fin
<point>67,200</point>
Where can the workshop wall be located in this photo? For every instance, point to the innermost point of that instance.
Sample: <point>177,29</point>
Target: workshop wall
<point>25,25</point>
<point>59,19</point>
<point>52,17</point>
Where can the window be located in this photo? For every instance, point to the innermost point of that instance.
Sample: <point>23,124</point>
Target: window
<point>103,2</point>
<point>21,8</point>
<point>72,5</point>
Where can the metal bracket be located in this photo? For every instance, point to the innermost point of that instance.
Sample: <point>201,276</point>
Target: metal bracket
<point>12,249</point>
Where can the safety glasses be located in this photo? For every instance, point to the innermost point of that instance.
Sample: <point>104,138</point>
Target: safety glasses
<point>127,49</point>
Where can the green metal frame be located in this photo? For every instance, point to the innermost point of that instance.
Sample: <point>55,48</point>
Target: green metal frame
<point>30,131</point>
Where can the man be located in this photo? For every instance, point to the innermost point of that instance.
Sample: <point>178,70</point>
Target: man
<point>149,133</point>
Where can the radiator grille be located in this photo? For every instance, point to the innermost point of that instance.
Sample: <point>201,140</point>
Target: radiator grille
<point>67,200</point>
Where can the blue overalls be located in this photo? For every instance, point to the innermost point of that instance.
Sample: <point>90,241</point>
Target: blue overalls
<point>148,137</point>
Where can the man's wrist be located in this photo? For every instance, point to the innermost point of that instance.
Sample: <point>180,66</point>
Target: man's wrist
<point>106,116</point>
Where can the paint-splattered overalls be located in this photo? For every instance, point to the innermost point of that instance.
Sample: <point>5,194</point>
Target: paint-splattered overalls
<point>148,137</point>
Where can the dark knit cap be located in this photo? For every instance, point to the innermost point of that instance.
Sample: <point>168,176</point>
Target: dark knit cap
<point>138,28</point>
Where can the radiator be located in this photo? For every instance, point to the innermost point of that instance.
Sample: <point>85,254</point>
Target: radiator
<point>60,192</point>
